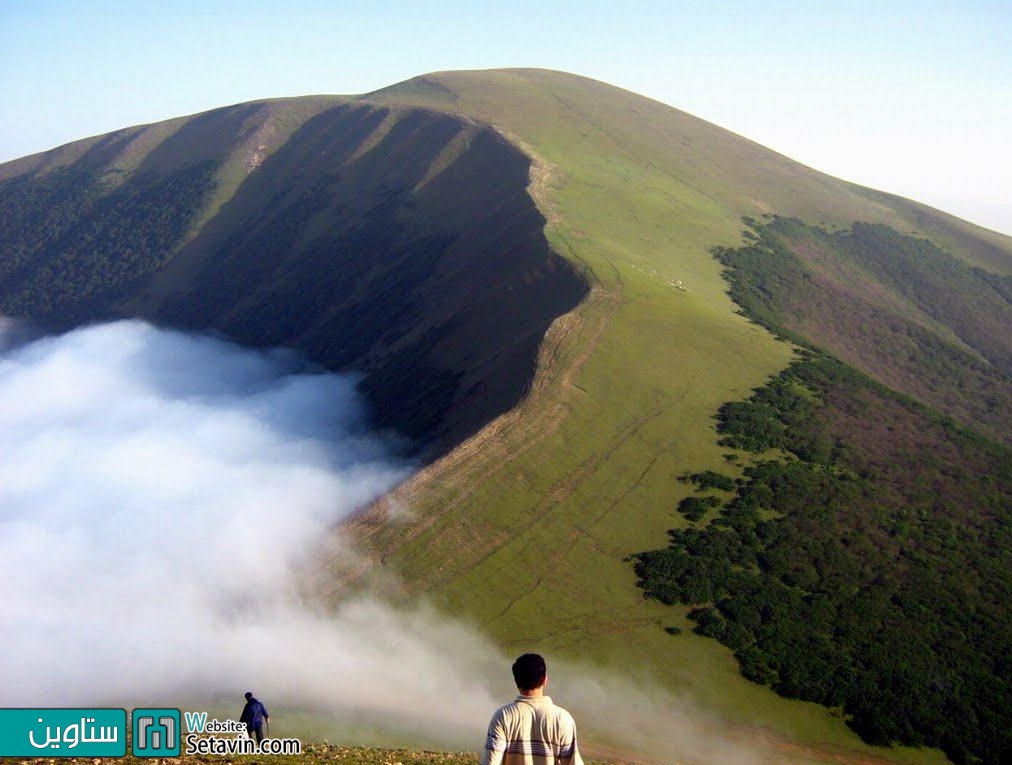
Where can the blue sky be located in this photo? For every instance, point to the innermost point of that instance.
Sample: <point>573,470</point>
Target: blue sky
<point>910,97</point>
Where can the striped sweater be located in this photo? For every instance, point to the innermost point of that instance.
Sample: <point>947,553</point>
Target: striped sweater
<point>531,731</point>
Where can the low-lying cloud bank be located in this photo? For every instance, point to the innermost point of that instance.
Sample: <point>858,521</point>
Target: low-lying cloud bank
<point>159,494</point>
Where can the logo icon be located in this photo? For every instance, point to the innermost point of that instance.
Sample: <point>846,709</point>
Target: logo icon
<point>156,733</point>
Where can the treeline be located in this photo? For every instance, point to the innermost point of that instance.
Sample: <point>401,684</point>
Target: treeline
<point>870,570</point>
<point>896,307</point>
<point>69,234</point>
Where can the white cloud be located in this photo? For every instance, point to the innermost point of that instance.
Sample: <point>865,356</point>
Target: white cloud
<point>157,494</point>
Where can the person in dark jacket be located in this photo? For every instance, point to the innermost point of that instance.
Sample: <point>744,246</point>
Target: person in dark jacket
<point>254,714</point>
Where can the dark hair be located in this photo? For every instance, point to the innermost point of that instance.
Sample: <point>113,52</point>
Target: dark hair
<point>249,694</point>
<point>529,672</point>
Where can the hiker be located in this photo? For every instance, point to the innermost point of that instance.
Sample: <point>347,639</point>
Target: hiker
<point>254,714</point>
<point>531,730</point>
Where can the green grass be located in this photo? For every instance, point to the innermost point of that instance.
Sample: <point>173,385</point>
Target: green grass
<point>638,195</point>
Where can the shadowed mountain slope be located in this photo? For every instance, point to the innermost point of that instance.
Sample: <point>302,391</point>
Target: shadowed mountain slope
<point>399,243</point>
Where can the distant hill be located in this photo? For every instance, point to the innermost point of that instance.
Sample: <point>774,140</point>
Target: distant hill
<point>555,286</point>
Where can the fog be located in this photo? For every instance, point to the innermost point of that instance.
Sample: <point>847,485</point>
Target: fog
<point>160,497</point>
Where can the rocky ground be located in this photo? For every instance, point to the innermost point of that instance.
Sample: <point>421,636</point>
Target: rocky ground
<point>311,754</point>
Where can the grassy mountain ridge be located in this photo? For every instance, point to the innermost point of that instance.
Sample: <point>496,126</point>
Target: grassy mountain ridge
<point>582,472</point>
<point>633,210</point>
<point>707,163</point>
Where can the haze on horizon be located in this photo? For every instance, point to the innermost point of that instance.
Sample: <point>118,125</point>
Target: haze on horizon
<point>910,98</point>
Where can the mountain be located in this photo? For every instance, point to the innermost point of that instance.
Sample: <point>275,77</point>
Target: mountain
<point>365,238</point>
<point>558,288</point>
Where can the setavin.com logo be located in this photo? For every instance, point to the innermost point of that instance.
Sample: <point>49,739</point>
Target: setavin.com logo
<point>154,732</point>
<point>231,737</point>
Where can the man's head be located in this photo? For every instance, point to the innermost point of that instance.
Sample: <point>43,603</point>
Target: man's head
<point>529,672</point>
<point>249,695</point>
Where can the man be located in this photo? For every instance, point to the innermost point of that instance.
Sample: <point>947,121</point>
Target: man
<point>531,730</point>
<point>254,714</point>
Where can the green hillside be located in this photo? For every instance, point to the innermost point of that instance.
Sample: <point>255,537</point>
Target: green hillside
<point>640,193</point>
<point>868,573</point>
<point>538,490</point>
<point>872,572</point>
<point>899,308</point>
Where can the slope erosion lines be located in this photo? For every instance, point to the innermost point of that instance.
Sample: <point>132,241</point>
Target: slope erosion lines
<point>567,346</point>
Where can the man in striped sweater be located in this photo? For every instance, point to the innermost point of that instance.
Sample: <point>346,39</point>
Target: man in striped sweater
<point>531,730</point>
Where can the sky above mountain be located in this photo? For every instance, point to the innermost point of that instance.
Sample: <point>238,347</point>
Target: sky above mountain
<point>907,97</point>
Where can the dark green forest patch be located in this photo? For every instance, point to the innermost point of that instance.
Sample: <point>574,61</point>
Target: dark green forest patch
<point>694,508</point>
<point>882,586</point>
<point>69,235</point>
<point>711,479</point>
<point>896,307</point>
<point>868,567</point>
